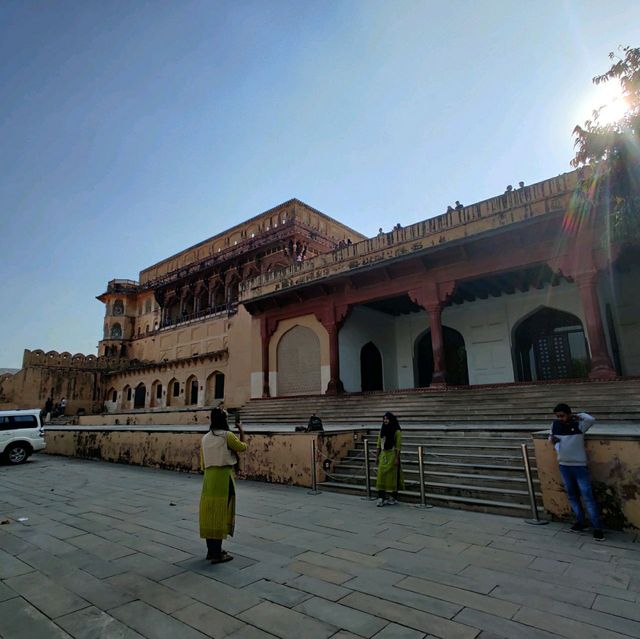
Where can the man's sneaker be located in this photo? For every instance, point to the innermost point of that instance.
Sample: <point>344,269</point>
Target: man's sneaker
<point>391,501</point>
<point>578,528</point>
<point>380,502</point>
<point>598,535</point>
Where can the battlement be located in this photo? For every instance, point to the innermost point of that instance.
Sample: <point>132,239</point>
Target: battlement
<point>54,359</point>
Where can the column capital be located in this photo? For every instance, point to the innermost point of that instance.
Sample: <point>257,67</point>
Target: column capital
<point>432,296</point>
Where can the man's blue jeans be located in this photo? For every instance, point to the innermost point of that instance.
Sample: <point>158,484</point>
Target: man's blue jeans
<point>577,482</point>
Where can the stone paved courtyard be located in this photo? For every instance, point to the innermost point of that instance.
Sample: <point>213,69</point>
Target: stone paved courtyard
<point>113,551</point>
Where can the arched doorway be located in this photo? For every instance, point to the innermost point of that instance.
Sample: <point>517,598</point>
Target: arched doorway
<point>140,396</point>
<point>173,392</point>
<point>214,389</point>
<point>370,368</point>
<point>550,344</point>
<point>156,394</point>
<point>191,391</point>
<point>455,358</point>
<point>299,362</point>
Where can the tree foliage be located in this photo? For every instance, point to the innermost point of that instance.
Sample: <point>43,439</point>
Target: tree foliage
<point>612,151</point>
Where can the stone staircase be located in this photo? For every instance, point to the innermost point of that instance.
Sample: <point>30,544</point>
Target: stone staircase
<point>471,436</point>
<point>510,407</point>
<point>478,470</point>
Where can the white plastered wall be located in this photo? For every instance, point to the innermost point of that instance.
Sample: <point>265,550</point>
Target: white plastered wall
<point>362,326</point>
<point>486,326</point>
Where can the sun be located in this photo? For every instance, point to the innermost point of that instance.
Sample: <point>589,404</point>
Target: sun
<point>607,97</point>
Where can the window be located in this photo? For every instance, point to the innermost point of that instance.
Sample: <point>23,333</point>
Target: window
<point>159,391</point>
<point>118,307</point>
<point>114,396</point>
<point>116,331</point>
<point>129,394</point>
<point>23,421</point>
<point>147,306</point>
<point>176,389</point>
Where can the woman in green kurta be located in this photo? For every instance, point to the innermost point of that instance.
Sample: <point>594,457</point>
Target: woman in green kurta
<point>218,455</point>
<point>389,477</point>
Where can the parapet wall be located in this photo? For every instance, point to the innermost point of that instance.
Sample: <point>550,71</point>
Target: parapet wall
<point>282,458</point>
<point>67,360</point>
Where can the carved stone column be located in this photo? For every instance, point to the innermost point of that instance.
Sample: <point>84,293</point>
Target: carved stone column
<point>432,297</point>
<point>267,329</point>
<point>601,365</point>
<point>332,317</point>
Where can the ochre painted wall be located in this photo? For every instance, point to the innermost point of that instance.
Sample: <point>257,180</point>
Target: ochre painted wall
<point>283,458</point>
<point>614,464</point>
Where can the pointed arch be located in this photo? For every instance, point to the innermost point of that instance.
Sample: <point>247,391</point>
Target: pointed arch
<point>298,362</point>
<point>550,344</point>
<point>370,368</point>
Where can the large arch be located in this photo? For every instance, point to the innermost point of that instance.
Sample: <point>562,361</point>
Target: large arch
<point>550,344</point>
<point>298,362</point>
<point>455,358</point>
<point>140,396</point>
<point>370,368</point>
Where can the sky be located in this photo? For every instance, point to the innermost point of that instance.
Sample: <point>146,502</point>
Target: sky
<point>130,130</point>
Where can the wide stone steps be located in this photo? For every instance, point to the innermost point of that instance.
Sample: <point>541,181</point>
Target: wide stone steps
<point>610,401</point>
<point>482,470</point>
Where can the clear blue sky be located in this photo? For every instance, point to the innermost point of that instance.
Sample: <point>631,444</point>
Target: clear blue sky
<point>130,130</point>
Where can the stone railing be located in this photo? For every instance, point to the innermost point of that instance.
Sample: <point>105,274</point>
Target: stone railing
<point>513,206</point>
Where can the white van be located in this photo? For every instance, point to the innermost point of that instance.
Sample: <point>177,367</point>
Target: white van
<point>21,434</point>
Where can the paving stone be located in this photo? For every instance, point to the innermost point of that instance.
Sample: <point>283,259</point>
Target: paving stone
<point>361,623</point>
<point>318,587</point>
<point>6,592</point>
<point>91,623</point>
<point>155,594</point>
<point>283,595</point>
<point>382,584</point>
<point>100,547</point>
<point>325,574</point>
<point>94,565</point>
<point>208,620</point>
<point>286,623</point>
<point>211,592</point>
<point>46,595</point>
<point>458,596</point>
<point>500,627</point>
<point>19,620</point>
<point>356,557</point>
<point>152,623</point>
<point>549,565</point>
<point>583,614</point>
<point>410,617</point>
<point>147,566</point>
<point>394,631</point>
<point>12,567</point>
<point>617,607</point>
<point>561,626</point>
<point>250,632</point>
<point>14,545</point>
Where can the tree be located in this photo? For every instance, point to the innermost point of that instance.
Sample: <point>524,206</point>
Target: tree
<point>612,153</point>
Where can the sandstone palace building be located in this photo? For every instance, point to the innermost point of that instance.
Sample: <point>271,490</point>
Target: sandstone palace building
<point>517,288</point>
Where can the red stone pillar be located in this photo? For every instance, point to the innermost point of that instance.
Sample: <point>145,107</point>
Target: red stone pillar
<point>265,334</point>
<point>437,344</point>
<point>601,365</point>
<point>432,297</point>
<point>335,385</point>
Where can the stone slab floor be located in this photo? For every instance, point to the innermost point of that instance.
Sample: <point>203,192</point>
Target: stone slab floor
<point>111,551</point>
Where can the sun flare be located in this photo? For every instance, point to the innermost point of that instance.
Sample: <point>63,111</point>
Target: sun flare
<point>609,99</point>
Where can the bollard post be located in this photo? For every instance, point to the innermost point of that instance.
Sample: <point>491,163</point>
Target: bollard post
<point>536,521</point>
<point>314,480</point>
<point>423,496</point>
<point>367,473</point>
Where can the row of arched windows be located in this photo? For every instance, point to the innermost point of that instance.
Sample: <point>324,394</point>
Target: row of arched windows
<point>174,393</point>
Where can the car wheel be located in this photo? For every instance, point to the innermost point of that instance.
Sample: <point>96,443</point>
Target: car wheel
<point>17,453</point>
